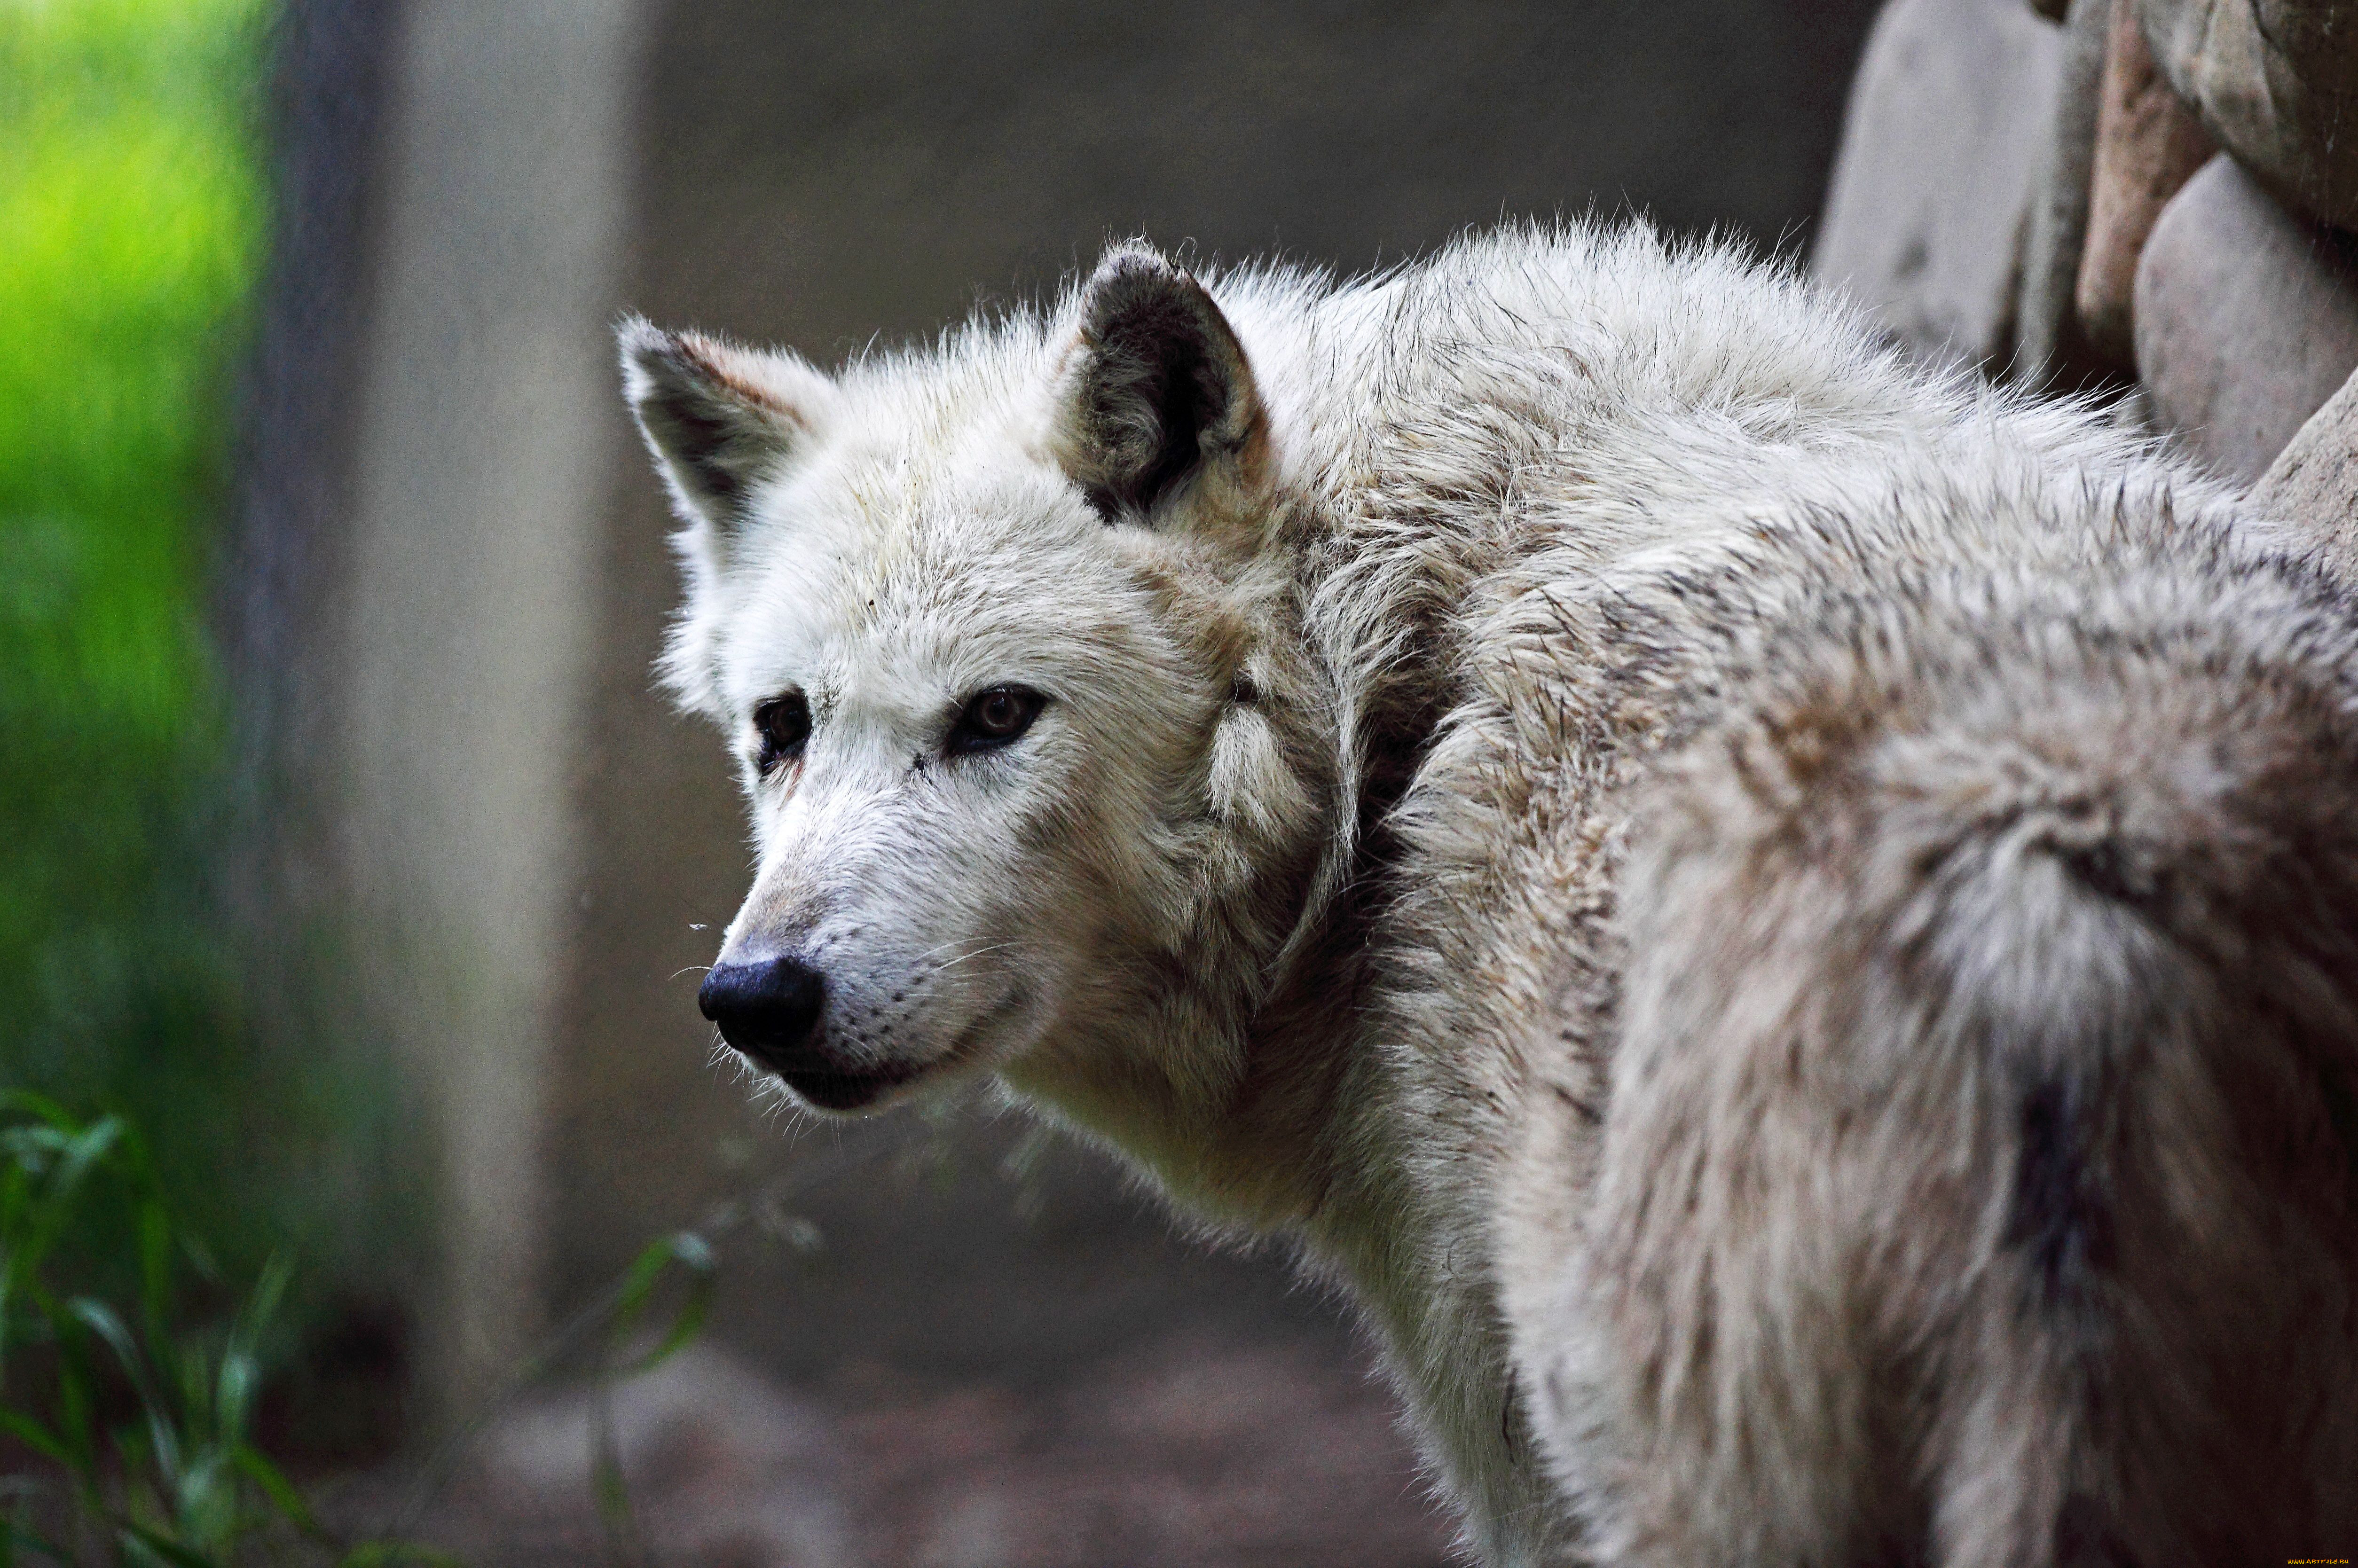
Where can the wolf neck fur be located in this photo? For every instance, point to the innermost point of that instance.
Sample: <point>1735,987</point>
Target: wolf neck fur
<point>1256,1146</point>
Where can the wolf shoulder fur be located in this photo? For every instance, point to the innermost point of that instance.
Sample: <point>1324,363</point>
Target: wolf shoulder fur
<point>1785,924</point>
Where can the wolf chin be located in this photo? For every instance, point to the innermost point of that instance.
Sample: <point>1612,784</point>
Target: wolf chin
<point>1785,924</point>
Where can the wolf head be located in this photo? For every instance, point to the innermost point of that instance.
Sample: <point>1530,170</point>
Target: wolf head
<point>1003,635</point>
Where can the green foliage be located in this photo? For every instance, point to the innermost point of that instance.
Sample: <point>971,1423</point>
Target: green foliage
<point>131,227</point>
<point>138,1423</point>
<point>126,1430</point>
<point>133,221</point>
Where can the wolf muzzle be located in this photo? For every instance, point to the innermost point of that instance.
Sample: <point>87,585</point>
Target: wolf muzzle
<point>770,1012</point>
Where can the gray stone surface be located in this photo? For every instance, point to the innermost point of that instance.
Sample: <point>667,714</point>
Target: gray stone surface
<point>2050,349</point>
<point>2312,487</point>
<point>2148,145</point>
<point>1942,149</point>
<point>2276,82</point>
<point>2246,320</point>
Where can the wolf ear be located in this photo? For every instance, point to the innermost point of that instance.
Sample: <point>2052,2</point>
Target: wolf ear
<point>1154,391</point>
<point>716,417</point>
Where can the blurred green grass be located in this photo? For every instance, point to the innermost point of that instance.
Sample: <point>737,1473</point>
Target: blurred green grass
<point>133,223</point>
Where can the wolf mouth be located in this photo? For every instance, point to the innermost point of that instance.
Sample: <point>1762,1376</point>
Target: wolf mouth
<point>831,1089</point>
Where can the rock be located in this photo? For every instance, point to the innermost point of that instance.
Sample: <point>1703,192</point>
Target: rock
<point>2276,82</point>
<point>1932,184</point>
<point>2312,487</point>
<point>2246,320</point>
<point>2148,145</point>
<point>2050,350</point>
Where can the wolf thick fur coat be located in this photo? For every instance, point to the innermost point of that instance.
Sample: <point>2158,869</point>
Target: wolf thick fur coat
<point>1786,923</point>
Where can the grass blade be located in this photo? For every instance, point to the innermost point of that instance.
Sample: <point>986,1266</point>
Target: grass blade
<point>258,1468</point>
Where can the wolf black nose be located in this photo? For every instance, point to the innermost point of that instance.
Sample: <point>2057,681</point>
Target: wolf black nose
<point>766,1010</point>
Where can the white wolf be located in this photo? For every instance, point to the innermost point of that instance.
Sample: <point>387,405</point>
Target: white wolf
<point>1789,926</point>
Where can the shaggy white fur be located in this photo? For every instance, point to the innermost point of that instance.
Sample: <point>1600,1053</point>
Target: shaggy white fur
<point>1787,925</point>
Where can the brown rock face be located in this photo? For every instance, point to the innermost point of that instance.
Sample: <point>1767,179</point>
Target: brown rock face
<point>2148,145</point>
<point>2313,483</point>
<point>2246,320</point>
<point>2276,82</point>
<point>1932,187</point>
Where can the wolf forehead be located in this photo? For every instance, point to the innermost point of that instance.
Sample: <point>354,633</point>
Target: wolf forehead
<point>966,492</point>
<point>894,463</point>
<point>845,561</point>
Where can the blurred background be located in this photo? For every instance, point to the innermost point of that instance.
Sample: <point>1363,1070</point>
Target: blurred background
<point>355,884</point>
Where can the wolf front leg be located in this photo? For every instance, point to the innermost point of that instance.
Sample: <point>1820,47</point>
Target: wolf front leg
<point>1978,1186</point>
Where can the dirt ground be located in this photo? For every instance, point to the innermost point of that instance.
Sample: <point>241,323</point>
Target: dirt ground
<point>1196,1452</point>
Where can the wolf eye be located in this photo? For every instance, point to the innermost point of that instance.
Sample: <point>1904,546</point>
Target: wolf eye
<point>994,717</point>
<point>784,725</point>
